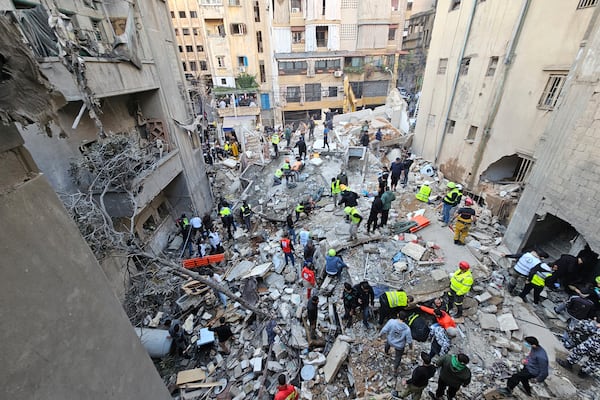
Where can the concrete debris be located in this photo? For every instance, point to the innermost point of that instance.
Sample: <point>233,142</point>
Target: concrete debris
<point>337,355</point>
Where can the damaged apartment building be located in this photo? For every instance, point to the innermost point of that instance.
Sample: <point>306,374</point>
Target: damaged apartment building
<point>494,80</point>
<point>115,65</point>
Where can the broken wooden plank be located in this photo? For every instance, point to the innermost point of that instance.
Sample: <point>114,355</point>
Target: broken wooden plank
<point>190,375</point>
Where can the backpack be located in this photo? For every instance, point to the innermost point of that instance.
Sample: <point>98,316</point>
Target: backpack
<point>579,307</point>
<point>418,327</point>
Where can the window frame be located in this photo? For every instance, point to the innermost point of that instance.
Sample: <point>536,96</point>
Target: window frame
<point>583,4</point>
<point>442,66</point>
<point>465,63</point>
<point>552,90</point>
<point>314,94</point>
<point>295,96</point>
<point>221,62</point>
<point>237,28</point>
<point>492,66</point>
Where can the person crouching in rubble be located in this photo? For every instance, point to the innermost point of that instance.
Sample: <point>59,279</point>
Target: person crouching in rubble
<point>277,177</point>
<point>350,299</point>
<point>215,242</point>
<point>392,302</point>
<point>440,339</point>
<point>224,333</point>
<point>176,332</point>
<point>534,366</point>
<point>334,263</point>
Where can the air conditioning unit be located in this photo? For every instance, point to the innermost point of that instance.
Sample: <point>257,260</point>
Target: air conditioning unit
<point>338,74</point>
<point>242,69</point>
<point>295,10</point>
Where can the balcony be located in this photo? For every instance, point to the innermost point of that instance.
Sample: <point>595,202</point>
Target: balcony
<point>154,181</point>
<point>239,111</point>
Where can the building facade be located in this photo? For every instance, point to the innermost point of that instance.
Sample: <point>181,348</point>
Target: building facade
<point>494,72</point>
<point>316,44</point>
<point>560,199</point>
<point>117,67</point>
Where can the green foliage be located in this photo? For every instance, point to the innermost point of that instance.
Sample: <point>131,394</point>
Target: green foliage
<point>246,81</point>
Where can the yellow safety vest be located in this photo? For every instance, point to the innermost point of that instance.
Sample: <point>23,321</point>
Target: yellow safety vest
<point>246,211</point>
<point>225,211</point>
<point>278,173</point>
<point>539,279</point>
<point>461,282</point>
<point>275,139</point>
<point>397,299</point>
<point>452,196</point>
<point>286,166</point>
<point>353,217</point>
<point>299,208</point>
<point>424,193</point>
<point>226,147</point>
<point>335,187</point>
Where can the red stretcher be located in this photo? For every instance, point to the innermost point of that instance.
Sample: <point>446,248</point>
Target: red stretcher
<point>191,263</point>
<point>421,221</point>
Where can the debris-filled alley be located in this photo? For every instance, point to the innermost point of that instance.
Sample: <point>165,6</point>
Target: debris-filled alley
<point>230,351</point>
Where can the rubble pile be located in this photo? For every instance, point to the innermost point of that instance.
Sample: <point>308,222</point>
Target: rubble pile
<point>340,362</point>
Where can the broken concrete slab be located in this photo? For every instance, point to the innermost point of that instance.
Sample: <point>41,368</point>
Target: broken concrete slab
<point>259,270</point>
<point>507,322</point>
<point>336,357</point>
<point>239,270</point>
<point>414,250</point>
<point>485,296</point>
<point>439,275</point>
<point>488,321</point>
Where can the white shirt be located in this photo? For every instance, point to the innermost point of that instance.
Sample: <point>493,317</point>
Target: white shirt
<point>196,222</point>
<point>214,239</point>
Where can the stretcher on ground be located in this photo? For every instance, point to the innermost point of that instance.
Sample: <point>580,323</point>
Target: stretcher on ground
<point>191,263</point>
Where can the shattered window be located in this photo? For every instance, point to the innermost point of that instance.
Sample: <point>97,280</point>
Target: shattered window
<point>552,91</point>
<point>464,65</point>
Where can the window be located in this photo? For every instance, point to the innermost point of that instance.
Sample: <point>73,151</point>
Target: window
<point>454,5</point>
<point>472,133</point>
<point>298,36</point>
<point>375,88</point>
<point>189,48</point>
<point>193,66</point>
<point>409,6</point>
<point>223,81</point>
<point>493,64</point>
<point>210,2</point>
<point>464,66</point>
<point>292,67</point>
<point>524,167</point>
<point>392,33</point>
<point>296,6</point>
<point>234,2</point>
<point>176,32</point>
<point>221,61</point>
<point>351,4</point>
<point>552,91</point>
<point>180,49</point>
<point>184,66</point>
<point>181,14</point>
<point>327,65</point>
<point>256,11</point>
<point>193,14</point>
<point>172,14</point>
<point>199,48</point>
<point>354,62</point>
<point>242,61</point>
<point>259,42</point>
<point>395,6</point>
<point>586,3</point>
<point>203,66</point>
<point>185,31</point>
<point>195,30</point>
<point>238,29</point>
<point>333,91</point>
<point>450,126</point>
<point>357,88</point>
<point>322,32</point>
<point>293,94</point>
<point>323,8</point>
<point>221,30</point>
<point>312,92</point>
<point>442,66</point>
<point>262,71</point>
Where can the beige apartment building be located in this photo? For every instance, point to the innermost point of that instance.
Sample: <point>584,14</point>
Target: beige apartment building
<point>219,42</point>
<point>494,75</point>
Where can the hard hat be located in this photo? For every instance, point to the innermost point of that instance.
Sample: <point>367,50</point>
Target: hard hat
<point>348,210</point>
<point>451,331</point>
<point>451,185</point>
<point>331,252</point>
<point>598,279</point>
<point>343,187</point>
<point>468,201</point>
<point>464,265</point>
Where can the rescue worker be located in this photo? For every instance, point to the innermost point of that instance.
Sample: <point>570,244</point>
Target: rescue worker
<point>365,298</point>
<point>308,278</point>
<point>227,148</point>
<point>309,252</point>
<point>396,169</point>
<point>227,219</point>
<point>392,302</point>
<point>183,223</point>
<point>460,284</point>
<point>355,220</point>
<point>288,249</point>
<point>536,281</point>
<point>398,336</point>
<point>454,373</point>
<point>424,192</point>
<point>277,177</point>
<point>334,263</point>
<point>382,179</point>
<point>312,311</point>
<point>287,170</point>
<point>335,190</point>
<point>235,149</point>
<point>348,197</point>
<point>526,261</point>
<point>350,299</point>
<point>406,164</point>
<point>451,199</point>
<point>301,145</point>
<point>588,347</point>
<point>287,134</point>
<point>301,208</point>
<point>386,199</point>
<point>245,214</point>
<point>376,209</point>
<point>286,391</point>
<point>534,366</point>
<point>465,216</point>
<point>275,143</point>
<point>303,238</point>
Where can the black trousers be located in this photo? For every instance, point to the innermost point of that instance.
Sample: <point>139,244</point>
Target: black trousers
<point>523,376</point>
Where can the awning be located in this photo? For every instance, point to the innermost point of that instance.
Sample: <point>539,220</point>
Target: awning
<point>231,122</point>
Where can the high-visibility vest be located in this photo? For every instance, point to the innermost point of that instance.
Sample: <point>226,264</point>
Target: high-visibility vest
<point>424,193</point>
<point>225,211</point>
<point>539,279</point>
<point>184,222</point>
<point>226,147</point>
<point>275,138</point>
<point>396,299</point>
<point>461,282</point>
<point>279,173</point>
<point>286,245</point>
<point>308,275</point>
<point>246,211</point>
<point>300,208</point>
<point>353,216</point>
<point>452,197</point>
<point>335,187</point>
<point>286,166</point>
<point>525,263</point>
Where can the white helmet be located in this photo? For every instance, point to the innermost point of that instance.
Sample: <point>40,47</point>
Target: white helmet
<point>427,183</point>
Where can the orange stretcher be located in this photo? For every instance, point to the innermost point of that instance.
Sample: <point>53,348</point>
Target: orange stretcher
<point>421,221</point>
<point>201,261</point>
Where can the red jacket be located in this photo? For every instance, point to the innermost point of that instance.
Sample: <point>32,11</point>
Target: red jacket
<point>287,392</point>
<point>286,245</point>
<point>445,320</point>
<point>309,275</point>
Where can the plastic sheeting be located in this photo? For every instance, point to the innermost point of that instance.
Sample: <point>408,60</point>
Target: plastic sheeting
<point>34,24</point>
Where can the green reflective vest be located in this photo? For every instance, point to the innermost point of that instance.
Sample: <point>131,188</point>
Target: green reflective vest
<point>275,138</point>
<point>300,208</point>
<point>461,282</point>
<point>278,173</point>
<point>423,194</point>
<point>335,187</point>
<point>397,299</point>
